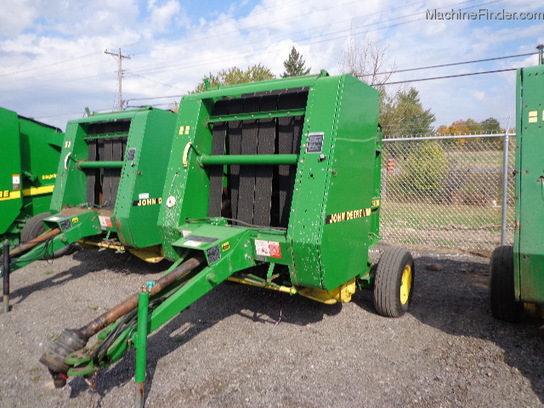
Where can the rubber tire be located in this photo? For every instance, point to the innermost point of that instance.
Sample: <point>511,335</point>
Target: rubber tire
<point>388,280</point>
<point>34,227</point>
<point>501,286</point>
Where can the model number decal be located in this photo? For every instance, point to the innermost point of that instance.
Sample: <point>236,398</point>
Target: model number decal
<point>347,215</point>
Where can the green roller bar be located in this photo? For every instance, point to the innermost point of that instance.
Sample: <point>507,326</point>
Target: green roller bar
<point>250,159</point>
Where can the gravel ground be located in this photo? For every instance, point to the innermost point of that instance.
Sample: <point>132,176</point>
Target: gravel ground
<point>228,349</point>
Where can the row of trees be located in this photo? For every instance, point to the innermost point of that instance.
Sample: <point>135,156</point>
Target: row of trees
<point>401,112</point>
<point>470,126</point>
<point>294,65</point>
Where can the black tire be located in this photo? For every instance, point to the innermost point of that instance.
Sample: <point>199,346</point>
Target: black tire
<point>391,298</point>
<point>34,227</point>
<point>501,286</point>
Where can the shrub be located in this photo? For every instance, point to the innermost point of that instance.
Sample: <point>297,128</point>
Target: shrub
<point>425,169</point>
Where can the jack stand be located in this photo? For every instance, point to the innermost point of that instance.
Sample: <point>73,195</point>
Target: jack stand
<point>141,343</point>
<point>6,271</point>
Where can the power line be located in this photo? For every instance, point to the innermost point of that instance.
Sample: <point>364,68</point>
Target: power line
<point>413,69</point>
<point>155,97</point>
<point>450,64</point>
<point>451,76</point>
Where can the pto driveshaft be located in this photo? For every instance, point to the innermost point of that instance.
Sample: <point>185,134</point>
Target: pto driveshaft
<point>72,340</point>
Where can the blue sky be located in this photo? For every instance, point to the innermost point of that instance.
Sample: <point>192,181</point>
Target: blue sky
<point>53,65</point>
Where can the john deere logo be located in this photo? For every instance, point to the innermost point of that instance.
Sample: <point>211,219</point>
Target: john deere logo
<point>144,202</point>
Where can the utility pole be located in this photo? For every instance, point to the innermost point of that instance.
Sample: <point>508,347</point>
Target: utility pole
<point>119,57</point>
<point>540,47</point>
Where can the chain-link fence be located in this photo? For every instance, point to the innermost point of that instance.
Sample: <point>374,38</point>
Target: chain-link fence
<point>448,191</point>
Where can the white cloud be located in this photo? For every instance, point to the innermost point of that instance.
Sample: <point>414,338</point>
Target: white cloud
<point>161,17</point>
<point>15,16</point>
<point>55,48</point>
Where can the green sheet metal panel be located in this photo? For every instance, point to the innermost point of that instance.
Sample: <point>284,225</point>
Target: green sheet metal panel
<point>529,236</point>
<point>40,148</point>
<point>331,218</point>
<point>11,201</point>
<point>142,178</point>
<point>191,181</point>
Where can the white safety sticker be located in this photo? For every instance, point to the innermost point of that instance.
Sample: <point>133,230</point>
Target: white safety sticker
<point>192,244</point>
<point>105,222</point>
<point>267,248</point>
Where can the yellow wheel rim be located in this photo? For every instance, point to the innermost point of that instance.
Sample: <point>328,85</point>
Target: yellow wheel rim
<point>406,284</point>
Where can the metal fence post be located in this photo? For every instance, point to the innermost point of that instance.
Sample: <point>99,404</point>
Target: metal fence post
<point>504,187</point>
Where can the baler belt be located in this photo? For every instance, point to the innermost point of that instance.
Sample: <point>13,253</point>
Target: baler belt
<point>289,135</point>
<point>264,174</point>
<point>259,195</point>
<point>103,183</point>
<point>112,150</point>
<point>92,173</point>
<point>219,136</point>
<point>250,137</point>
<point>235,147</point>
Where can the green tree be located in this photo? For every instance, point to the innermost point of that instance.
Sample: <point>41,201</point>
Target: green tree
<point>491,125</point>
<point>235,75</point>
<point>403,115</point>
<point>295,65</point>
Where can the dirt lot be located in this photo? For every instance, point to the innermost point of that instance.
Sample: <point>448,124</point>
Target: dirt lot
<point>230,349</point>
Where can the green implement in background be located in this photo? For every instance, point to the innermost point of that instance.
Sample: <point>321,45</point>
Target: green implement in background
<point>109,184</point>
<point>29,156</point>
<point>517,272</point>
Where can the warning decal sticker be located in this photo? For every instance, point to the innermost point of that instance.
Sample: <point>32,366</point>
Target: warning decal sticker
<point>267,248</point>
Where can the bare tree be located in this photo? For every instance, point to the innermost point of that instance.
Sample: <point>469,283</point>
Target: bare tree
<point>366,60</point>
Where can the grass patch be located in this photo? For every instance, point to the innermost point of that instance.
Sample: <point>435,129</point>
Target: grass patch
<point>423,216</point>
